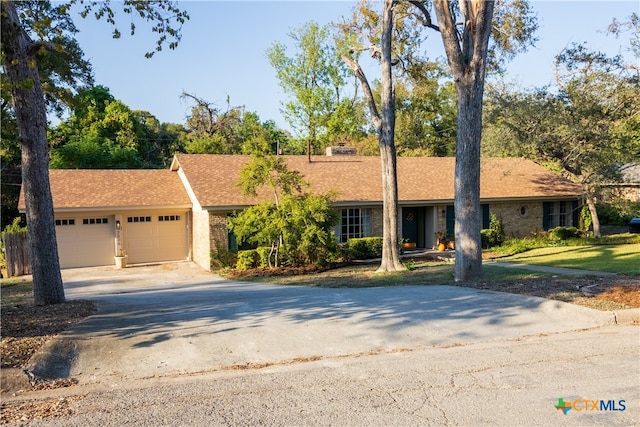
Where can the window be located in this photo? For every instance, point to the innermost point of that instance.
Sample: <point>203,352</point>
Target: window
<point>89,221</point>
<point>169,218</point>
<point>65,222</point>
<point>558,214</point>
<point>139,219</point>
<point>355,223</point>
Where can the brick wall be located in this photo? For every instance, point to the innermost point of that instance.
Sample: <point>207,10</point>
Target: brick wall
<point>519,219</point>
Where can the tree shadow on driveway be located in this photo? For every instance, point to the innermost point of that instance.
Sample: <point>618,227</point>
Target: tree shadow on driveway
<point>158,323</point>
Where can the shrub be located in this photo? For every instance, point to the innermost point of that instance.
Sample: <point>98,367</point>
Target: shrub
<point>247,259</point>
<point>263,252</point>
<point>222,257</point>
<point>494,235</point>
<point>564,233</point>
<point>363,248</point>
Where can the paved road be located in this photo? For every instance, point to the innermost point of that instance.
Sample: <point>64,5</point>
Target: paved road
<point>510,382</point>
<point>177,318</point>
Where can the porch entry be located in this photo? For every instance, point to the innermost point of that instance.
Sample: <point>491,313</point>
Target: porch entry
<point>418,226</point>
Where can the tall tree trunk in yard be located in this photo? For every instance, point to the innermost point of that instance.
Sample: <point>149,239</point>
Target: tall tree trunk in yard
<point>591,203</point>
<point>385,125</point>
<point>466,50</point>
<point>31,118</point>
<point>468,221</point>
<point>390,254</point>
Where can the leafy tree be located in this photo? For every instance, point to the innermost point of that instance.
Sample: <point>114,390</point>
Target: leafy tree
<point>20,57</point>
<point>232,131</point>
<point>60,71</point>
<point>425,112</point>
<point>585,129</point>
<point>296,225</point>
<point>102,132</point>
<point>319,109</point>
<point>466,29</point>
<point>378,38</point>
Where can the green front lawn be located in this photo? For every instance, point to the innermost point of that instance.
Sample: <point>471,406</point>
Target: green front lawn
<point>623,259</point>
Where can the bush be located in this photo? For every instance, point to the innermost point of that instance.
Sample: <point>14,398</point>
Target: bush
<point>247,259</point>
<point>564,233</point>
<point>363,248</point>
<point>263,252</point>
<point>494,235</point>
<point>488,238</point>
<point>222,258</point>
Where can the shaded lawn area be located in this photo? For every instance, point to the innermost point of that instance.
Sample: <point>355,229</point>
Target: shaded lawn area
<point>621,259</point>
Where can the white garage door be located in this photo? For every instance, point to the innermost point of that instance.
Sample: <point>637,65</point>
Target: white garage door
<point>85,241</point>
<point>156,237</point>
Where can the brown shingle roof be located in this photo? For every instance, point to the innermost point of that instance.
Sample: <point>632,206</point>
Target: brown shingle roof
<point>115,188</point>
<point>357,180</point>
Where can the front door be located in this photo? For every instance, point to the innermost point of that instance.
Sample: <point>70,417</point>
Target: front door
<point>413,226</point>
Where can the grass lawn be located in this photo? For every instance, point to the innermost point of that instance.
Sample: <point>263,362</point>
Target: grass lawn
<point>622,259</point>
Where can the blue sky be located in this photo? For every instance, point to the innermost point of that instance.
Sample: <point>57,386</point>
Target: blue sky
<point>222,52</point>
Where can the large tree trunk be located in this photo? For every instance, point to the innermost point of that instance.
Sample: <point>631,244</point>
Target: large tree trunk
<point>468,221</point>
<point>390,254</point>
<point>385,124</point>
<point>31,118</point>
<point>591,203</point>
<point>467,55</point>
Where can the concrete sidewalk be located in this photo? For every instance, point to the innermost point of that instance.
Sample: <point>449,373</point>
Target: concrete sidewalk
<point>170,319</point>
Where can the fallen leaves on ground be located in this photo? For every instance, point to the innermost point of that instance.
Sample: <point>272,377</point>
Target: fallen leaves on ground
<point>25,327</point>
<point>600,293</point>
<point>16,412</point>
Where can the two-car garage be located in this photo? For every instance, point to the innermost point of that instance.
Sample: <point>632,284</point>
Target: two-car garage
<point>92,240</point>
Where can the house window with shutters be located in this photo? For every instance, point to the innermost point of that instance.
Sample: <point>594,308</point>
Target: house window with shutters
<point>559,214</point>
<point>355,223</point>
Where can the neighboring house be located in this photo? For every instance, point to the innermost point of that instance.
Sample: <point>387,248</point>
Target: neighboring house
<point>628,188</point>
<point>181,213</point>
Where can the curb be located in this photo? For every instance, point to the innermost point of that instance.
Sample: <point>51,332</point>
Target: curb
<point>626,317</point>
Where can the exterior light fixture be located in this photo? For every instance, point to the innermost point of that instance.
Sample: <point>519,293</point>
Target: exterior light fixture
<point>118,225</point>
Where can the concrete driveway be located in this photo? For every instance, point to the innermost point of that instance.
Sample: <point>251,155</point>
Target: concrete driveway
<point>172,319</point>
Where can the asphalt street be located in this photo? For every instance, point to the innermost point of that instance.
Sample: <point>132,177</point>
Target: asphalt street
<point>506,382</point>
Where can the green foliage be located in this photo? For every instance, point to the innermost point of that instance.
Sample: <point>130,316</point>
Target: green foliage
<point>247,259</point>
<point>104,133</point>
<point>585,218</point>
<point>15,227</point>
<point>564,233</point>
<point>222,257</point>
<point>363,248</point>
<point>94,152</point>
<point>319,109</point>
<point>308,229</point>
<point>494,235</point>
<point>297,225</point>
<point>618,213</point>
<point>264,256</point>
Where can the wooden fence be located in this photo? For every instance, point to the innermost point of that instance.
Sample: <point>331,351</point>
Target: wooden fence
<point>16,247</point>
